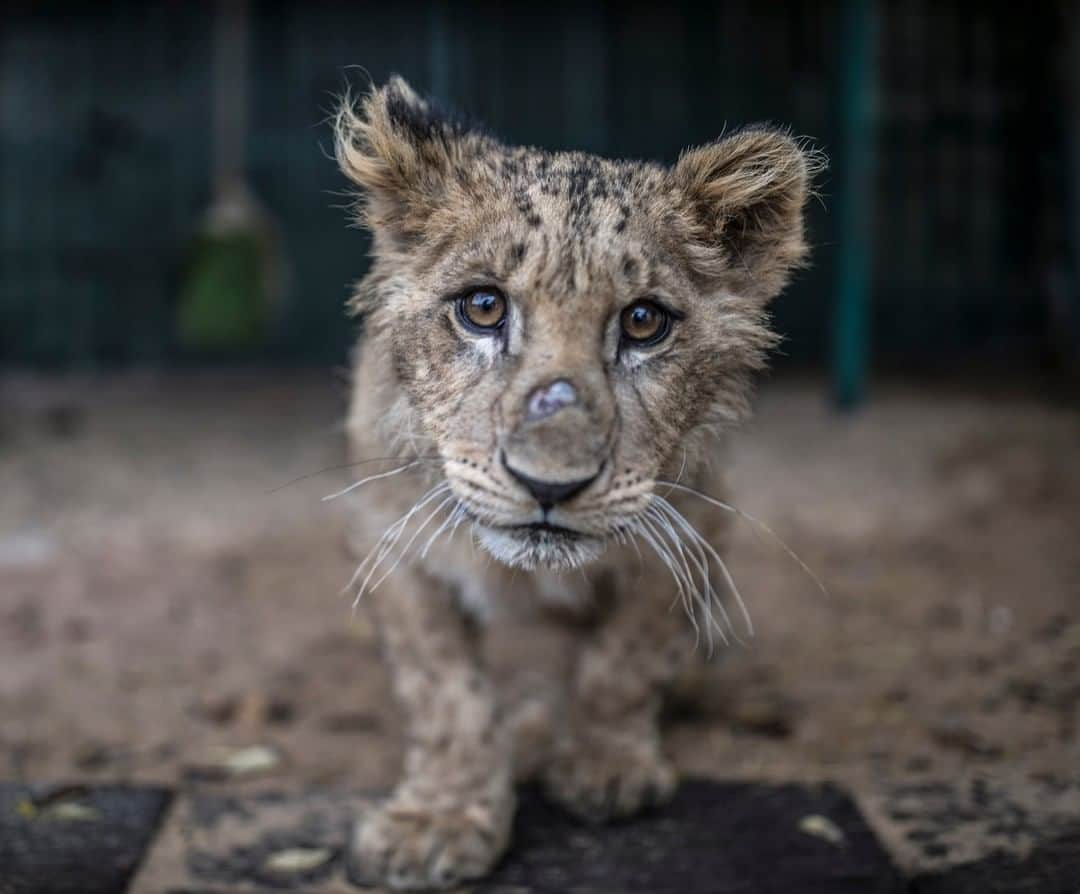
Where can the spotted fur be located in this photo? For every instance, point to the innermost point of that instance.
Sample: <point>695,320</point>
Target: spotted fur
<point>570,239</point>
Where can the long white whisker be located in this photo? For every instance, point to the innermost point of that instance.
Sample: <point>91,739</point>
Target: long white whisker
<point>405,549</point>
<point>682,468</point>
<point>704,596</point>
<point>657,548</point>
<point>628,534</point>
<point>462,515</point>
<point>388,542</point>
<point>727,507</point>
<point>692,531</point>
<point>364,481</point>
<point>637,549</point>
<point>652,538</point>
<point>449,519</point>
<point>683,581</point>
<point>433,494</point>
<point>704,551</point>
<point>390,537</point>
<point>392,530</point>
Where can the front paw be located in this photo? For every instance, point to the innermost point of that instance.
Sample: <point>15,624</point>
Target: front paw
<point>603,781</point>
<point>410,844</point>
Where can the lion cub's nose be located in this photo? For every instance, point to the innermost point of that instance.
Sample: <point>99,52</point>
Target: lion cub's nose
<point>548,399</point>
<point>549,493</point>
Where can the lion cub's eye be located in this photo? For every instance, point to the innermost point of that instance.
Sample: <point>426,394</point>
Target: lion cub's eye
<point>645,323</point>
<point>482,310</point>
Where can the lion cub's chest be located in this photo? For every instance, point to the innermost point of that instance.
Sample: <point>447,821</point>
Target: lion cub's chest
<point>487,589</point>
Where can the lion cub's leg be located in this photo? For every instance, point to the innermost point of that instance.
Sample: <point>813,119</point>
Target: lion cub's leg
<point>609,762</point>
<point>449,818</point>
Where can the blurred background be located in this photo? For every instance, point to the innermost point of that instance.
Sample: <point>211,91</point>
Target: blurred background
<point>954,125</point>
<point>174,258</point>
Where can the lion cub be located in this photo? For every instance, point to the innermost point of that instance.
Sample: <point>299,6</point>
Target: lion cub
<point>554,343</point>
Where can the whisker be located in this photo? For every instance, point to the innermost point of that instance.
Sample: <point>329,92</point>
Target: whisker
<point>629,534</point>
<point>727,507</point>
<point>393,529</point>
<point>450,518</point>
<point>623,533</point>
<point>379,552</point>
<point>364,481</point>
<point>705,596</point>
<point>682,468</point>
<point>679,570</point>
<point>362,462</point>
<point>661,551</point>
<point>650,536</point>
<point>659,528</point>
<point>462,515</point>
<point>390,537</point>
<point>693,533</point>
<point>405,549</point>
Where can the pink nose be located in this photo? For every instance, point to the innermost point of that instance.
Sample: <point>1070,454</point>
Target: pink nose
<point>550,398</point>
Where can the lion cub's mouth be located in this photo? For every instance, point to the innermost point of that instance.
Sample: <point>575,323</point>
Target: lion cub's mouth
<point>542,544</point>
<point>539,529</point>
<point>546,527</point>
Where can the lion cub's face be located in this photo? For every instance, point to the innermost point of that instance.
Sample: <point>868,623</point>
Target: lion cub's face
<point>561,325</point>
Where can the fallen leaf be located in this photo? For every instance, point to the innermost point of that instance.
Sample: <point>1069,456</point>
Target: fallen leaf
<point>298,859</point>
<point>254,759</point>
<point>69,811</point>
<point>822,827</point>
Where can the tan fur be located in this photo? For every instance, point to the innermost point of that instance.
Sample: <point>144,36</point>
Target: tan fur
<point>571,240</point>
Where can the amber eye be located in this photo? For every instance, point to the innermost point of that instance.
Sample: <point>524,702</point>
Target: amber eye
<point>645,323</point>
<point>482,310</point>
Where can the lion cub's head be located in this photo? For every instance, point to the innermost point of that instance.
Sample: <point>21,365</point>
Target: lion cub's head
<point>562,326</point>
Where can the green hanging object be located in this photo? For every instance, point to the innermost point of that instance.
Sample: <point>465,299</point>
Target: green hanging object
<point>225,302</point>
<point>235,272</point>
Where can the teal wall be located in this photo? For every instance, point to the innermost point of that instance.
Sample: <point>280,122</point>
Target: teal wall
<point>105,152</point>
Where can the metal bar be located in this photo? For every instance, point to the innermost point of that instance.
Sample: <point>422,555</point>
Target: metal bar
<point>854,207</point>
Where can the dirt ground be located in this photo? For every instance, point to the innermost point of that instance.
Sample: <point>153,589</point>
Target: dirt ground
<point>161,609</point>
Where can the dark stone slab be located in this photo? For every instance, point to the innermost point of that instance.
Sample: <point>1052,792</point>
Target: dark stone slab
<point>1050,868</point>
<point>75,840</point>
<point>715,838</point>
<point>712,837</point>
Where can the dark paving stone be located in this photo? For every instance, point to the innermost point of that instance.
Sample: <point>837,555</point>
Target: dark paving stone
<point>714,838</point>
<point>74,840</point>
<point>1050,868</point>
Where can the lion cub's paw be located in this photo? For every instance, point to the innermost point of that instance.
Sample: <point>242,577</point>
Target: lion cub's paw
<point>607,782</point>
<point>408,845</point>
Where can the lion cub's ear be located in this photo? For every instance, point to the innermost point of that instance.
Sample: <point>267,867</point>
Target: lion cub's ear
<point>401,153</point>
<point>746,195</point>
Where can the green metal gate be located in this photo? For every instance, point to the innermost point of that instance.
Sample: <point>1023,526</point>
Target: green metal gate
<point>105,151</point>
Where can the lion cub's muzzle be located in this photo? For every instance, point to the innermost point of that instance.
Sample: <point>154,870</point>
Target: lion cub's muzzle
<point>559,446</point>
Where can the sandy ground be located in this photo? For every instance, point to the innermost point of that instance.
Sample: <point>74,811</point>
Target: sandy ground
<point>159,604</point>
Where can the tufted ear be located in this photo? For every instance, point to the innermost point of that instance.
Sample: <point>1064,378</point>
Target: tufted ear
<point>746,195</point>
<point>401,152</point>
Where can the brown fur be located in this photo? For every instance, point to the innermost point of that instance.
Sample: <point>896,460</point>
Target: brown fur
<point>571,240</point>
